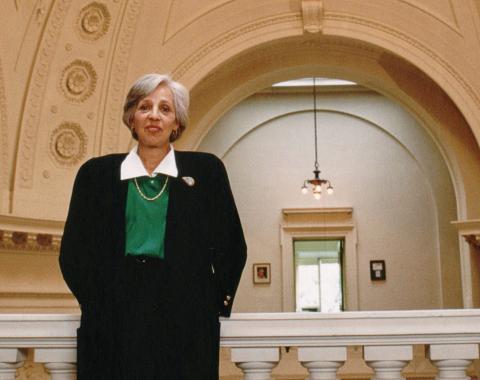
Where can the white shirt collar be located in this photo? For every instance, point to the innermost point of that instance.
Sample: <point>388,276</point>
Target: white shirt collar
<point>132,166</point>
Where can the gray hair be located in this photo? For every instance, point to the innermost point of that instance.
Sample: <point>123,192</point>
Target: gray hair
<point>144,86</point>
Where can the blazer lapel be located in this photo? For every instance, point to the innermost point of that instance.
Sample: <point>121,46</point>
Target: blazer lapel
<point>179,207</point>
<point>174,206</point>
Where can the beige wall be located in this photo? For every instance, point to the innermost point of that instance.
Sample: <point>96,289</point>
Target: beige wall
<point>380,161</point>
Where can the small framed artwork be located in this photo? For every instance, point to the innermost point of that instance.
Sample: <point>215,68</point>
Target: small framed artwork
<point>261,273</point>
<point>378,270</point>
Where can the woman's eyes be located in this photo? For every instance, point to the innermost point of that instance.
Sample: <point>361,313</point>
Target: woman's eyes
<point>147,107</point>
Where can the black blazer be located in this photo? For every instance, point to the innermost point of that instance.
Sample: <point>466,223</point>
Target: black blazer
<point>204,244</point>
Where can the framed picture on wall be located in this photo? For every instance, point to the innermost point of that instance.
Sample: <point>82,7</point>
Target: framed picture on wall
<point>378,270</point>
<point>261,273</point>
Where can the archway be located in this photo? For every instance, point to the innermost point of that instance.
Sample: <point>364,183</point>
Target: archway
<point>373,67</point>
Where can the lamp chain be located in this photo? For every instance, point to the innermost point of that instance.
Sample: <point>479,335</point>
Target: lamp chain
<point>315,120</point>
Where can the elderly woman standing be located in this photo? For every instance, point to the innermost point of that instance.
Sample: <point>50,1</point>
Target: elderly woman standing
<point>153,249</point>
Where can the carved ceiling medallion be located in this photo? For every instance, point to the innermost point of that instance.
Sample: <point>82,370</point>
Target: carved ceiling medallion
<point>93,21</point>
<point>68,144</point>
<point>78,80</point>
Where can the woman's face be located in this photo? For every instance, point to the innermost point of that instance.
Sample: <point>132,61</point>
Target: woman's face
<point>154,118</point>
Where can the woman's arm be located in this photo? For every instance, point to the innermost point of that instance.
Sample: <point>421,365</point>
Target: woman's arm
<point>76,247</point>
<point>230,247</point>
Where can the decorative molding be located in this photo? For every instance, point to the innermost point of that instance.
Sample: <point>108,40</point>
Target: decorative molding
<point>93,21</point>
<point>469,230</point>
<point>118,75</point>
<point>36,19</point>
<point>17,223</point>
<point>15,241</point>
<point>347,211</point>
<point>68,144</point>
<point>312,12</point>
<point>220,42</point>
<point>338,17</point>
<point>36,90</point>
<point>78,81</point>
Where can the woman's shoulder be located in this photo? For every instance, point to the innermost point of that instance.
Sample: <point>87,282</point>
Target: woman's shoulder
<point>102,163</point>
<point>185,154</point>
<point>197,158</point>
<point>198,163</point>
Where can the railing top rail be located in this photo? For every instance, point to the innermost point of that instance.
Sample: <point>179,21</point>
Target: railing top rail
<point>280,329</point>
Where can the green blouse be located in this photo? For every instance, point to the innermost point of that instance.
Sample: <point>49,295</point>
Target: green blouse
<point>146,219</point>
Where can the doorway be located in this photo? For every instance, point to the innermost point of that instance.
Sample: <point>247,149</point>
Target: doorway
<point>319,275</point>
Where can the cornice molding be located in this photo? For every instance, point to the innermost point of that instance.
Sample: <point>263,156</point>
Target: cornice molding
<point>118,75</point>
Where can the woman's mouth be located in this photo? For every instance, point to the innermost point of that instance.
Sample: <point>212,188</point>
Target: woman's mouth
<point>153,128</point>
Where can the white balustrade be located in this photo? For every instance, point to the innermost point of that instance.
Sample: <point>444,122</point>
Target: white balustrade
<point>10,360</point>
<point>387,361</point>
<point>256,363</point>
<point>322,363</point>
<point>387,337</point>
<point>452,360</point>
<point>60,363</point>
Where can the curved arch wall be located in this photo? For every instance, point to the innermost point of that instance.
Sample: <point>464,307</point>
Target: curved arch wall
<point>382,163</point>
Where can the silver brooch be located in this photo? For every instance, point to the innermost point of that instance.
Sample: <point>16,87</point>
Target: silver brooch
<point>189,181</point>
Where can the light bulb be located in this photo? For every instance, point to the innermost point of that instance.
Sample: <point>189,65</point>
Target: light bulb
<point>304,189</point>
<point>317,189</point>
<point>317,195</point>
<point>329,190</point>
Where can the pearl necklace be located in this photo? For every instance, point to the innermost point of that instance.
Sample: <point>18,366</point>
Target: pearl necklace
<point>156,196</point>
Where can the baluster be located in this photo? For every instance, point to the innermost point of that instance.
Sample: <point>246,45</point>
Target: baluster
<point>387,361</point>
<point>10,360</point>
<point>452,360</point>
<point>60,363</point>
<point>256,363</point>
<point>322,363</point>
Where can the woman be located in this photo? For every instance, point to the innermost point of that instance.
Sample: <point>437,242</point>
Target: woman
<point>153,249</point>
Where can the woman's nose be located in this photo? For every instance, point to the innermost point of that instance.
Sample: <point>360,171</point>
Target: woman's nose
<point>154,114</point>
